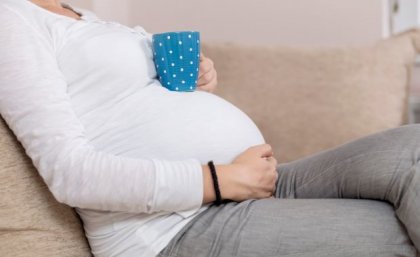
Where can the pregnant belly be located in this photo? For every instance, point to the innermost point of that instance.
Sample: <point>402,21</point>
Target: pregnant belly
<point>158,123</point>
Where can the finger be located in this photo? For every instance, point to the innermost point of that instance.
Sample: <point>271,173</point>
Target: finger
<point>210,87</point>
<point>202,56</point>
<point>206,65</point>
<point>206,78</point>
<point>271,169</point>
<point>269,191</point>
<point>265,150</point>
<point>274,181</point>
<point>272,161</point>
<point>203,88</point>
<point>212,84</point>
<point>204,71</point>
<point>276,177</point>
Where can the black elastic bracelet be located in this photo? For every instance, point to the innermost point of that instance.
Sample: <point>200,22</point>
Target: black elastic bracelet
<point>215,183</point>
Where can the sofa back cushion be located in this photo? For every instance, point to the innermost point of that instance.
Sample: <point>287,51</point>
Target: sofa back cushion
<point>32,222</point>
<point>305,100</point>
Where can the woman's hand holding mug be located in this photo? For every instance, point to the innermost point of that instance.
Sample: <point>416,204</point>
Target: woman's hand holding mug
<point>207,76</point>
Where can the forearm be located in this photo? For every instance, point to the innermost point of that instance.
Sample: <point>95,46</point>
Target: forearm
<point>223,172</point>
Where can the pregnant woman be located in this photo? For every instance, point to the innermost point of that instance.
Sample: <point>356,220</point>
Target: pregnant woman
<point>131,157</point>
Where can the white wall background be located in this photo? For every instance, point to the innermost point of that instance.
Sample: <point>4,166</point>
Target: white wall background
<point>116,10</point>
<point>292,22</point>
<point>87,4</point>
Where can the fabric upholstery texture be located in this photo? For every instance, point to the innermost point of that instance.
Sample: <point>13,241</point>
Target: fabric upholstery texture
<point>304,100</point>
<point>309,99</point>
<point>32,222</point>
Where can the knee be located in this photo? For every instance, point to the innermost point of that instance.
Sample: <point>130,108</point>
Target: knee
<point>404,137</point>
<point>408,128</point>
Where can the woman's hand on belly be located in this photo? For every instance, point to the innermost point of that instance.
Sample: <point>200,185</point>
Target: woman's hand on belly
<point>251,175</point>
<point>207,76</point>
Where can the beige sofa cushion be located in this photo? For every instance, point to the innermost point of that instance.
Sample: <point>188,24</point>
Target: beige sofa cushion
<point>32,222</point>
<point>309,99</point>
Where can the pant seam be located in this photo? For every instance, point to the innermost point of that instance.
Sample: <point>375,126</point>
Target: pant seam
<point>341,162</point>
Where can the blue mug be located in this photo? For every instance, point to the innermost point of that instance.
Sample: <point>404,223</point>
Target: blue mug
<point>177,59</point>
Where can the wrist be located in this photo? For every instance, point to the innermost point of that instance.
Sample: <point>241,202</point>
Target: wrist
<point>224,175</point>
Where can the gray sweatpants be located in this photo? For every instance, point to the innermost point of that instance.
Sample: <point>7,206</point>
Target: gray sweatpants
<point>381,171</point>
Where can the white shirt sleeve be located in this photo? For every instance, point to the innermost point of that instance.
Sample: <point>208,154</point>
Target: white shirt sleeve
<point>36,106</point>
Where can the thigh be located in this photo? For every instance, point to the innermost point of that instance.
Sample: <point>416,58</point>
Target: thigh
<point>379,166</point>
<point>293,227</point>
<point>382,166</point>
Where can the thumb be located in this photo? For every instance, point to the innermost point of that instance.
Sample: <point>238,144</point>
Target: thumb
<point>265,150</point>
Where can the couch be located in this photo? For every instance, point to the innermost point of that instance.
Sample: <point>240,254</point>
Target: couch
<point>304,100</point>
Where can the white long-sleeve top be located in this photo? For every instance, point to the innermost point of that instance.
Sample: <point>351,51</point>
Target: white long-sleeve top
<point>83,99</point>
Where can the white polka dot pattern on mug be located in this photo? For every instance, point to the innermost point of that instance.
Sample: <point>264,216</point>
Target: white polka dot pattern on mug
<point>177,57</point>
